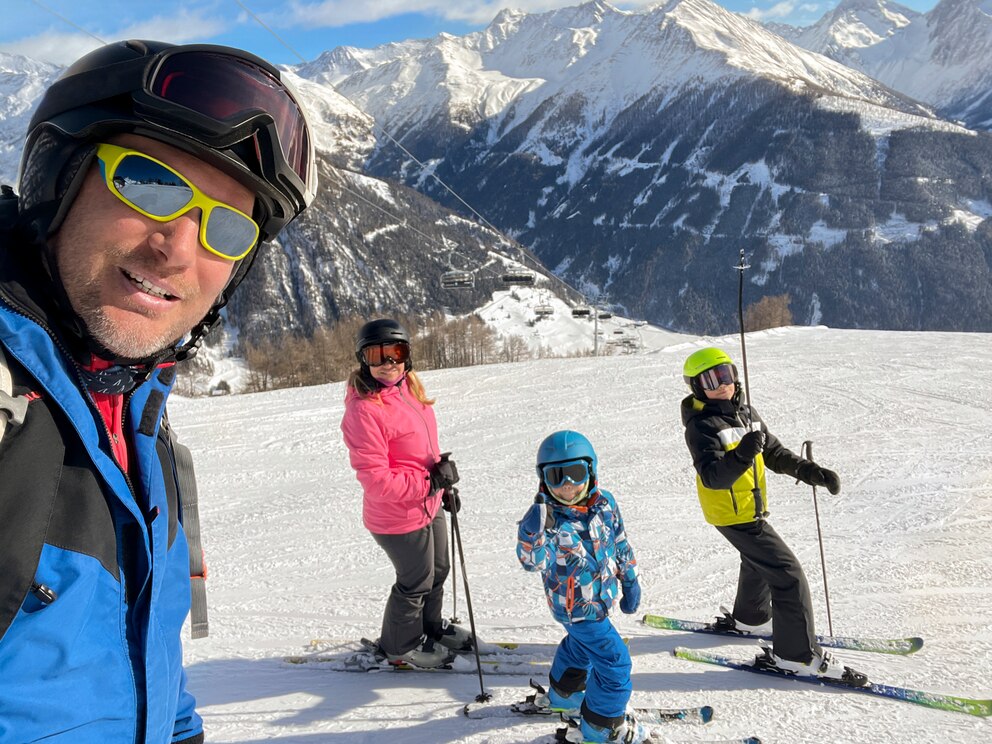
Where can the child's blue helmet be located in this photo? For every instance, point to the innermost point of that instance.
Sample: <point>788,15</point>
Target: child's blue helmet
<point>563,446</point>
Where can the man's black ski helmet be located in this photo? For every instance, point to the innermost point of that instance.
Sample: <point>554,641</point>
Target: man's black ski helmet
<point>227,107</point>
<point>381,331</point>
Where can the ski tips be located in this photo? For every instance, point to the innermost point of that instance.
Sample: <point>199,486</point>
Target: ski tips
<point>706,713</point>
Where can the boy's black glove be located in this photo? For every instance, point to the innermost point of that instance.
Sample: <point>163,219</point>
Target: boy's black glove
<point>750,445</point>
<point>443,473</point>
<point>450,501</point>
<point>822,477</point>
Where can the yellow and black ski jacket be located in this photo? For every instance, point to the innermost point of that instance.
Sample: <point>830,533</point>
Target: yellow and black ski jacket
<point>725,482</point>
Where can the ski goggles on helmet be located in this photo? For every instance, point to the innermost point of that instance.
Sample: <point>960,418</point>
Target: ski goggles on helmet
<point>714,377</point>
<point>394,352</point>
<point>558,474</point>
<point>153,189</point>
<point>230,89</point>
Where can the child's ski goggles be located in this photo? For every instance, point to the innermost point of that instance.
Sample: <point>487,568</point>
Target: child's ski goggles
<point>560,473</point>
<point>714,377</point>
<point>395,352</point>
<point>155,190</point>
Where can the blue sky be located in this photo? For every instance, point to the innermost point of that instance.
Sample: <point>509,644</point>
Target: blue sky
<point>59,31</point>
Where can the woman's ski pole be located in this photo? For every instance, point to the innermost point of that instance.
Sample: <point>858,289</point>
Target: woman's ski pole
<point>483,695</point>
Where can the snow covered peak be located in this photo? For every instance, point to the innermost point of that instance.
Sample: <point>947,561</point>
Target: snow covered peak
<point>960,30</point>
<point>750,47</point>
<point>855,24</point>
<point>594,53</point>
<point>22,81</point>
<point>941,57</point>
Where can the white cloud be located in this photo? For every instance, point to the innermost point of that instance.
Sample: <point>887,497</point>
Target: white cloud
<point>778,10</point>
<point>65,48</point>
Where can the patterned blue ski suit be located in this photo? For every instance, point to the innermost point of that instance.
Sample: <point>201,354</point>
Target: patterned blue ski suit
<point>584,559</point>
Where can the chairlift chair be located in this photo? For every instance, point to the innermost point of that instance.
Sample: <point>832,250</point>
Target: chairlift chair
<point>457,280</point>
<point>519,278</point>
<point>605,315</point>
<point>543,311</point>
<point>581,312</point>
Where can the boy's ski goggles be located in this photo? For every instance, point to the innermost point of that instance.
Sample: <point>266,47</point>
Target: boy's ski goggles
<point>155,190</point>
<point>560,473</point>
<point>396,352</point>
<point>714,377</point>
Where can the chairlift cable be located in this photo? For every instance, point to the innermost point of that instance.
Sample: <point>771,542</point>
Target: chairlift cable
<point>63,18</point>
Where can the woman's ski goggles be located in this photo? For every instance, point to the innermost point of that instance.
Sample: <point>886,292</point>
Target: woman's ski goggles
<point>155,190</point>
<point>395,352</point>
<point>714,377</point>
<point>560,473</point>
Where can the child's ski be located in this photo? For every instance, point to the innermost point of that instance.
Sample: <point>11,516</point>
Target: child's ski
<point>936,700</point>
<point>561,737</point>
<point>648,715</point>
<point>900,646</point>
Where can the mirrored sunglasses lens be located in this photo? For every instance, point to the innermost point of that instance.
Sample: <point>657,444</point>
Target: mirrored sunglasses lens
<point>229,232</point>
<point>150,187</point>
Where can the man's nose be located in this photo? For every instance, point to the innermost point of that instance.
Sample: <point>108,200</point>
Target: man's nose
<point>178,241</point>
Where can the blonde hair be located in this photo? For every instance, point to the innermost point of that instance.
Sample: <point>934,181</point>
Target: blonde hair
<point>360,383</point>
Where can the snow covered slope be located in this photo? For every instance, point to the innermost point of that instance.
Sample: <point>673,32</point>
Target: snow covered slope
<point>904,418</point>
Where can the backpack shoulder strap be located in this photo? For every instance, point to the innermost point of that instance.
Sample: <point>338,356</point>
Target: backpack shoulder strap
<point>12,409</point>
<point>191,526</point>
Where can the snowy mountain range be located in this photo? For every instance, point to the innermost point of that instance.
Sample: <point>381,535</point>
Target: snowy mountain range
<point>942,57</point>
<point>635,153</point>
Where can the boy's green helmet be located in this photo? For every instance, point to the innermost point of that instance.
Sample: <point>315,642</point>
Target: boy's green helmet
<point>700,361</point>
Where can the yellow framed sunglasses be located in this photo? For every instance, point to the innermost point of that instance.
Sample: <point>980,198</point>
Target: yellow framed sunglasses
<point>152,188</point>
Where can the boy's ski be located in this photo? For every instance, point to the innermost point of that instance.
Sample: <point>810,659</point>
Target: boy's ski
<point>900,646</point>
<point>936,700</point>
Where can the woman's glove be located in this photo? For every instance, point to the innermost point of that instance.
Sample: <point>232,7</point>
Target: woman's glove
<point>443,473</point>
<point>450,501</point>
<point>631,598</point>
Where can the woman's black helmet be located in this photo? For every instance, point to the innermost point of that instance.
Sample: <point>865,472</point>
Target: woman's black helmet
<point>382,331</point>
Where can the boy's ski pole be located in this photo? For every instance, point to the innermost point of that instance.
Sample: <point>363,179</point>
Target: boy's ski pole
<point>483,696</point>
<point>807,452</point>
<point>759,504</point>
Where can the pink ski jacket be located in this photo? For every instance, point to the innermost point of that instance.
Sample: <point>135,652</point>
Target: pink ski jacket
<point>392,441</point>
